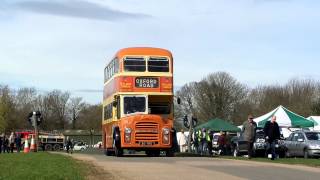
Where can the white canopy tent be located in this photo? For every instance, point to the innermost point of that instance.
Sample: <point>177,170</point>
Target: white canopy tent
<point>286,119</point>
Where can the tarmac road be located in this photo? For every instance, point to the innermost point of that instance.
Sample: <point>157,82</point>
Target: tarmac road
<point>195,168</point>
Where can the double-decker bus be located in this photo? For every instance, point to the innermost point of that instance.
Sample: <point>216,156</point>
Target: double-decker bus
<point>138,102</point>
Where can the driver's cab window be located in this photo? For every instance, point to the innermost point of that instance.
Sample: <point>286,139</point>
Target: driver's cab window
<point>134,105</point>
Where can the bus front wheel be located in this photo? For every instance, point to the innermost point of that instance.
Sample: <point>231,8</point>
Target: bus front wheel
<point>118,151</point>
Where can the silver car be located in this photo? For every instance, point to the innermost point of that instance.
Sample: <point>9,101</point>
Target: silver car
<point>303,143</point>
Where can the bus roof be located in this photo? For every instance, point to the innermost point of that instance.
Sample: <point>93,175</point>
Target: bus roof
<point>143,51</point>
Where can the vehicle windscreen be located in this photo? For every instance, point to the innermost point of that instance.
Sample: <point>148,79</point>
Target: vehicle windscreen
<point>313,136</point>
<point>134,104</point>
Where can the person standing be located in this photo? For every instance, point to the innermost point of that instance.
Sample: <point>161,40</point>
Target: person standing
<point>195,142</point>
<point>199,141</point>
<point>68,145</point>
<point>222,143</point>
<point>272,133</point>
<point>204,144</point>
<point>228,143</point>
<point>249,132</point>
<point>5,144</point>
<point>209,138</point>
<point>182,142</point>
<point>11,141</point>
<point>18,142</point>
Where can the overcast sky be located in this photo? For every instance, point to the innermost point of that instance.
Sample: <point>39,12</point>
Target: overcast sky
<point>64,44</point>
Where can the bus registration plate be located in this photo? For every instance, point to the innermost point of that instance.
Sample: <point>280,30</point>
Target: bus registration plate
<point>147,82</point>
<point>146,143</point>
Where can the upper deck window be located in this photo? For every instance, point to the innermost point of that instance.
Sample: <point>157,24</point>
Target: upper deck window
<point>158,64</point>
<point>137,64</point>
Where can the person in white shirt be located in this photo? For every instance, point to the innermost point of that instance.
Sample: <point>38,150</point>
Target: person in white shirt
<point>182,141</point>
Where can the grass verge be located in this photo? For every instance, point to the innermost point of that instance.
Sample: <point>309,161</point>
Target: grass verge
<point>43,165</point>
<point>292,161</point>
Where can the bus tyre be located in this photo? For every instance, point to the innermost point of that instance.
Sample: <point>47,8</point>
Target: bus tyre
<point>170,153</point>
<point>118,151</point>
<point>56,147</point>
<point>108,152</point>
<point>48,147</point>
<point>153,153</point>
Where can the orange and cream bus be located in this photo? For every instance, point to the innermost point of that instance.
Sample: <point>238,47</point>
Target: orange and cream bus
<point>138,101</point>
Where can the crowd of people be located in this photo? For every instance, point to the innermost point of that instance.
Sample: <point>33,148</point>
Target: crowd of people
<point>204,141</point>
<point>9,143</point>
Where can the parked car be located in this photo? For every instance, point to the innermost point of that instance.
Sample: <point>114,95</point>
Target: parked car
<point>240,146</point>
<point>98,145</point>
<point>80,146</point>
<point>228,138</point>
<point>303,143</point>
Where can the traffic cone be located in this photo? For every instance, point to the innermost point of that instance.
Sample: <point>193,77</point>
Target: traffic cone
<point>26,146</point>
<point>33,145</point>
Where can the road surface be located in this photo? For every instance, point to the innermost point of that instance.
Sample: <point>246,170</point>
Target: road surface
<point>195,168</point>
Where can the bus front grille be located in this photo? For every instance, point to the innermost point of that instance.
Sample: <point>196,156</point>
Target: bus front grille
<point>147,133</point>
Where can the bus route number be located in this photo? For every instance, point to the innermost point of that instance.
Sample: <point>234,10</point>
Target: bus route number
<point>142,82</point>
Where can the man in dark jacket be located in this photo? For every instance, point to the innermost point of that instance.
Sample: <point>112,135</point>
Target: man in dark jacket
<point>18,142</point>
<point>272,133</point>
<point>5,144</point>
<point>249,133</point>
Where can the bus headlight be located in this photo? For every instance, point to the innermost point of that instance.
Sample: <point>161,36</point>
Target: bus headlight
<point>127,135</point>
<point>127,130</point>
<point>166,135</point>
<point>166,131</point>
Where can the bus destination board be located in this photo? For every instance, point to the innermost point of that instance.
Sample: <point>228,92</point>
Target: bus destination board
<point>147,82</point>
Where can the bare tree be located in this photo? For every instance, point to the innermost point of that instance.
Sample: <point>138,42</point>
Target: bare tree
<point>90,117</point>
<point>75,106</point>
<point>24,100</point>
<point>218,96</point>
<point>58,104</point>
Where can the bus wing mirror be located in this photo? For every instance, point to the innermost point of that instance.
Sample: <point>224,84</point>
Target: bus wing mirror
<point>114,104</point>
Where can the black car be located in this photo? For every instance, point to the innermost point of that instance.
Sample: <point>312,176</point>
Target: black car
<point>259,146</point>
